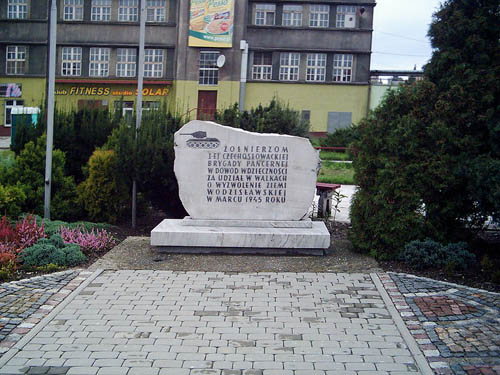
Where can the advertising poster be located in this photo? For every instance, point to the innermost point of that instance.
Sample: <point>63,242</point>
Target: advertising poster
<point>211,23</point>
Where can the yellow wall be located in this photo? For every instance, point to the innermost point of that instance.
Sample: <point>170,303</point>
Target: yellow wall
<point>319,99</point>
<point>33,93</point>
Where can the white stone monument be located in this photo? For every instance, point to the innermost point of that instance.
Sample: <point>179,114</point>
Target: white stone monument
<point>245,193</point>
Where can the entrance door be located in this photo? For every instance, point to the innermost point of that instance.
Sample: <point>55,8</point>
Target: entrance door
<point>207,105</point>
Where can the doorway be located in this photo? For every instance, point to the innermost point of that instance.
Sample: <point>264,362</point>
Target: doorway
<point>207,105</point>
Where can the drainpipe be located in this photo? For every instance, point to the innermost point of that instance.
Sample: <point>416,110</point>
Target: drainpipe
<point>243,79</point>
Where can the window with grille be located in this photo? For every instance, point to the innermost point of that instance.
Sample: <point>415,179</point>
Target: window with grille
<point>262,67</point>
<point>319,15</point>
<point>126,61</point>
<point>128,11</point>
<point>153,63</point>
<point>209,72</point>
<point>9,106</point>
<point>71,64</point>
<point>289,66</point>
<point>265,14</point>
<point>73,10</point>
<point>101,10</point>
<point>316,67</point>
<point>346,16</point>
<point>292,15</point>
<point>156,10</point>
<point>99,62</point>
<point>16,59</point>
<point>342,68</point>
<point>17,9</point>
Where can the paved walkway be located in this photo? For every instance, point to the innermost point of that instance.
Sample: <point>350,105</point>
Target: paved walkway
<point>166,322</point>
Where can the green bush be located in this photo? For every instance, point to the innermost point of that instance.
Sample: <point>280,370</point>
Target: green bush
<point>77,133</point>
<point>28,172</point>
<point>103,194</point>
<point>431,254</point>
<point>12,198</point>
<point>52,250</point>
<point>274,118</point>
<point>341,137</point>
<point>150,159</point>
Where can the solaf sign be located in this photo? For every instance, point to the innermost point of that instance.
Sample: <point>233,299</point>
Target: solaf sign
<point>105,91</point>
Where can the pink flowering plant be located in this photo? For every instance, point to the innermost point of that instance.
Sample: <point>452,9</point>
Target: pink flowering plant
<point>93,241</point>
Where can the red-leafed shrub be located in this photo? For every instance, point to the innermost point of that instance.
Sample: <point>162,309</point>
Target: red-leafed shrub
<point>29,232</point>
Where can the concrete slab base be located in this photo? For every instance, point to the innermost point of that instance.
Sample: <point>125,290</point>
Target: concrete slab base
<point>181,236</point>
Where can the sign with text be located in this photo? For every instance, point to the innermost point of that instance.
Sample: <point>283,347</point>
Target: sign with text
<point>228,173</point>
<point>211,23</point>
<point>106,91</point>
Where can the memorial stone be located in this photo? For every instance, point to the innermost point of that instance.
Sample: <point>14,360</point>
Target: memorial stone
<point>244,192</point>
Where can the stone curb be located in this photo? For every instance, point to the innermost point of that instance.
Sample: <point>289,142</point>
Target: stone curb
<point>33,332</point>
<point>419,357</point>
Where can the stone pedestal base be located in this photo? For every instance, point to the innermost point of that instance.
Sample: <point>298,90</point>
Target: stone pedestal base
<point>241,236</point>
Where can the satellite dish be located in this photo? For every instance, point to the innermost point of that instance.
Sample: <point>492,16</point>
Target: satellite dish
<point>221,61</point>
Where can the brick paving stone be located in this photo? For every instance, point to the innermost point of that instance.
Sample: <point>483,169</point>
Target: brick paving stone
<point>456,327</point>
<point>165,322</point>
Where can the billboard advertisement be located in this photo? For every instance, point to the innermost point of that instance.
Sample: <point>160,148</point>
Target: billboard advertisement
<point>211,23</point>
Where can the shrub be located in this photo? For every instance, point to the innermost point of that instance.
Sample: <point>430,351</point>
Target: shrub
<point>341,137</point>
<point>95,241</point>
<point>77,133</point>
<point>274,118</point>
<point>53,250</point>
<point>103,193</point>
<point>7,232</point>
<point>29,171</point>
<point>12,198</point>
<point>431,254</point>
<point>150,159</point>
<point>28,231</point>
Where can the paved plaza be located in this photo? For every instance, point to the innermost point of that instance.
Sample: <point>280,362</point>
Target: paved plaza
<point>229,323</point>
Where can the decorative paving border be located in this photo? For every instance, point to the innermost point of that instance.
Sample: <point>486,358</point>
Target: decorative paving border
<point>49,295</point>
<point>430,313</point>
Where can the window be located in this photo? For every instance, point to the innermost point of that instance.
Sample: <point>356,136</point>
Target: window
<point>9,105</point>
<point>99,62</point>
<point>319,16</point>
<point>126,62</point>
<point>16,59</point>
<point>17,9</point>
<point>71,61</point>
<point>153,63</point>
<point>73,10</point>
<point>209,73</point>
<point>338,120</point>
<point>292,15</point>
<point>150,106</point>
<point>342,68</point>
<point>101,10</point>
<point>289,66</point>
<point>316,67</point>
<point>265,14</point>
<point>346,16</point>
<point>262,65</point>
<point>128,11</point>
<point>125,109</point>
<point>155,10</point>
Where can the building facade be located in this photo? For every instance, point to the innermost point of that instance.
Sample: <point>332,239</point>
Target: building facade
<point>313,55</point>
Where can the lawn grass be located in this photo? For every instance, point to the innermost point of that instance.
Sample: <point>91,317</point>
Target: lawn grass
<point>6,158</point>
<point>331,155</point>
<point>336,173</point>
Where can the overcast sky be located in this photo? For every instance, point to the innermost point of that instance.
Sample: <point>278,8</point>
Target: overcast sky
<point>400,33</point>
